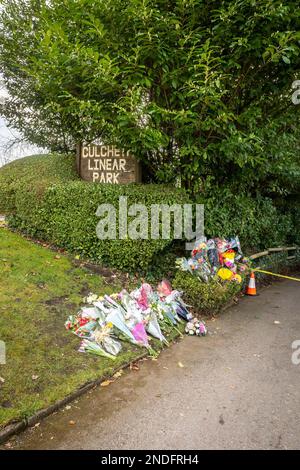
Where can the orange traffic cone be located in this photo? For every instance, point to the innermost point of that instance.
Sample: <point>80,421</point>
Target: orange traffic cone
<point>251,289</point>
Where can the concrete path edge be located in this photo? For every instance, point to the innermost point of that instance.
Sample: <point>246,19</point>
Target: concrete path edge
<point>15,428</point>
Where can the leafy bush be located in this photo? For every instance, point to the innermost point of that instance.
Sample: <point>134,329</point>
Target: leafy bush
<point>208,297</point>
<point>48,201</point>
<point>277,263</point>
<point>196,88</point>
<point>37,171</point>
<point>257,221</point>
<point>65,214</point>
<point>294,209</point>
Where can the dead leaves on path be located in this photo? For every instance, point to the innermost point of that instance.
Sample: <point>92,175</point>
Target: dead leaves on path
<point>133,366</point>
<point>106,383</point>
<point>116,376</point>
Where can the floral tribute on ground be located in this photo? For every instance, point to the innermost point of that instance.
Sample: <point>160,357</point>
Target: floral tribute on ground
<point>135,317</point>
<point>216,258</point>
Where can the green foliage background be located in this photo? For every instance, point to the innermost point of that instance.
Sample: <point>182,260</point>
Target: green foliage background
<point>200,91</point>
<point>45,205</point>
<point>200,88</point>
<point>211,298</point>
<point>45,198</point>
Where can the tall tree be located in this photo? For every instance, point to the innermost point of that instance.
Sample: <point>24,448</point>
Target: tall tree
<point>200,88</point>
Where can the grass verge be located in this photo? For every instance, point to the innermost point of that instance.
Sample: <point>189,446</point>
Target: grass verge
<point>38,290</point>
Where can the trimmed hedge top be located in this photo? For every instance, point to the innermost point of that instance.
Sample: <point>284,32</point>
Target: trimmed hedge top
<point>36,171</point>
<point>46,200</point>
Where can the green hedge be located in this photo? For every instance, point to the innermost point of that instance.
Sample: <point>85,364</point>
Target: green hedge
<point>45,199</point>
<point>277,262</point>
<point>257,221</point>
<point>210,298</point>
<point>48,201</point>
<point>206,298</point>
<point>65,215</point>
<point>38,172</point>
<point>294,209</point>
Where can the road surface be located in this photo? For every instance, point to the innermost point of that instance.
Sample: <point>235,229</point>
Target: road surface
<point>237,389</point>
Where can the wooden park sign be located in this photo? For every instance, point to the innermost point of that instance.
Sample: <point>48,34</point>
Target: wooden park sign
<point>107,164</point>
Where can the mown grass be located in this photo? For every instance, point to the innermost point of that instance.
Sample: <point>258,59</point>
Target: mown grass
<point>38,290</point>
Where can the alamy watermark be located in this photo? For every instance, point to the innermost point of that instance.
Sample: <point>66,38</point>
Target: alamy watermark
<point>159,221</point>
<point>2,353</point>
<point>296,94</point>
<point>296,353</point>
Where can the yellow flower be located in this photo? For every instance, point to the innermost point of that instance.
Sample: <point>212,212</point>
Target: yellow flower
<point>229,255</point>
<point>237,278</point>
<point>225,274</point>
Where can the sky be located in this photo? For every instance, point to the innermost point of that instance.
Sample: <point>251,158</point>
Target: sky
<point>7,135</point>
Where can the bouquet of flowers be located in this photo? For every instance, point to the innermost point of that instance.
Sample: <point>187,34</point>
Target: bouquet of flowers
<point>221,257</point>
<point>94,348</point>
<point>173,299</point>
<point>196,327</point>
<point>81,325</point>
<point>129,317</point>
<point>103,337</point>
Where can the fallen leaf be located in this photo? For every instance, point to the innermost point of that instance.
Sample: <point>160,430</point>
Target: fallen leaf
<point>68,407</point>
<point>71,423</point>
<point>180,364</point>
<point>35,377</point>
<point>8,445</point>
<point>118,374</point>
<point>106,383</point>
<point>2,380</point>
<point>37,425</point>
<point>134,366</point>
<point>57,257</point>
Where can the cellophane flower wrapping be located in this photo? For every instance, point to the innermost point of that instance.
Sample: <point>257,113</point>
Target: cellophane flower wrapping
<point>215,257</point>
<point>130,316</point>
<point>140,334</point>
<point>102,336</point>
<point>196,328</point>
<point>94,348</point>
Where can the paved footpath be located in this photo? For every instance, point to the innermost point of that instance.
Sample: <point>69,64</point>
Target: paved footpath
<point>238,389</point>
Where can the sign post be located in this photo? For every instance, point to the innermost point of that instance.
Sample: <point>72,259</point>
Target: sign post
<point>107,164</point>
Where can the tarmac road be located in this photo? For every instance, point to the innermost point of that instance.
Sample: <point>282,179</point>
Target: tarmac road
<point>237,389</point>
